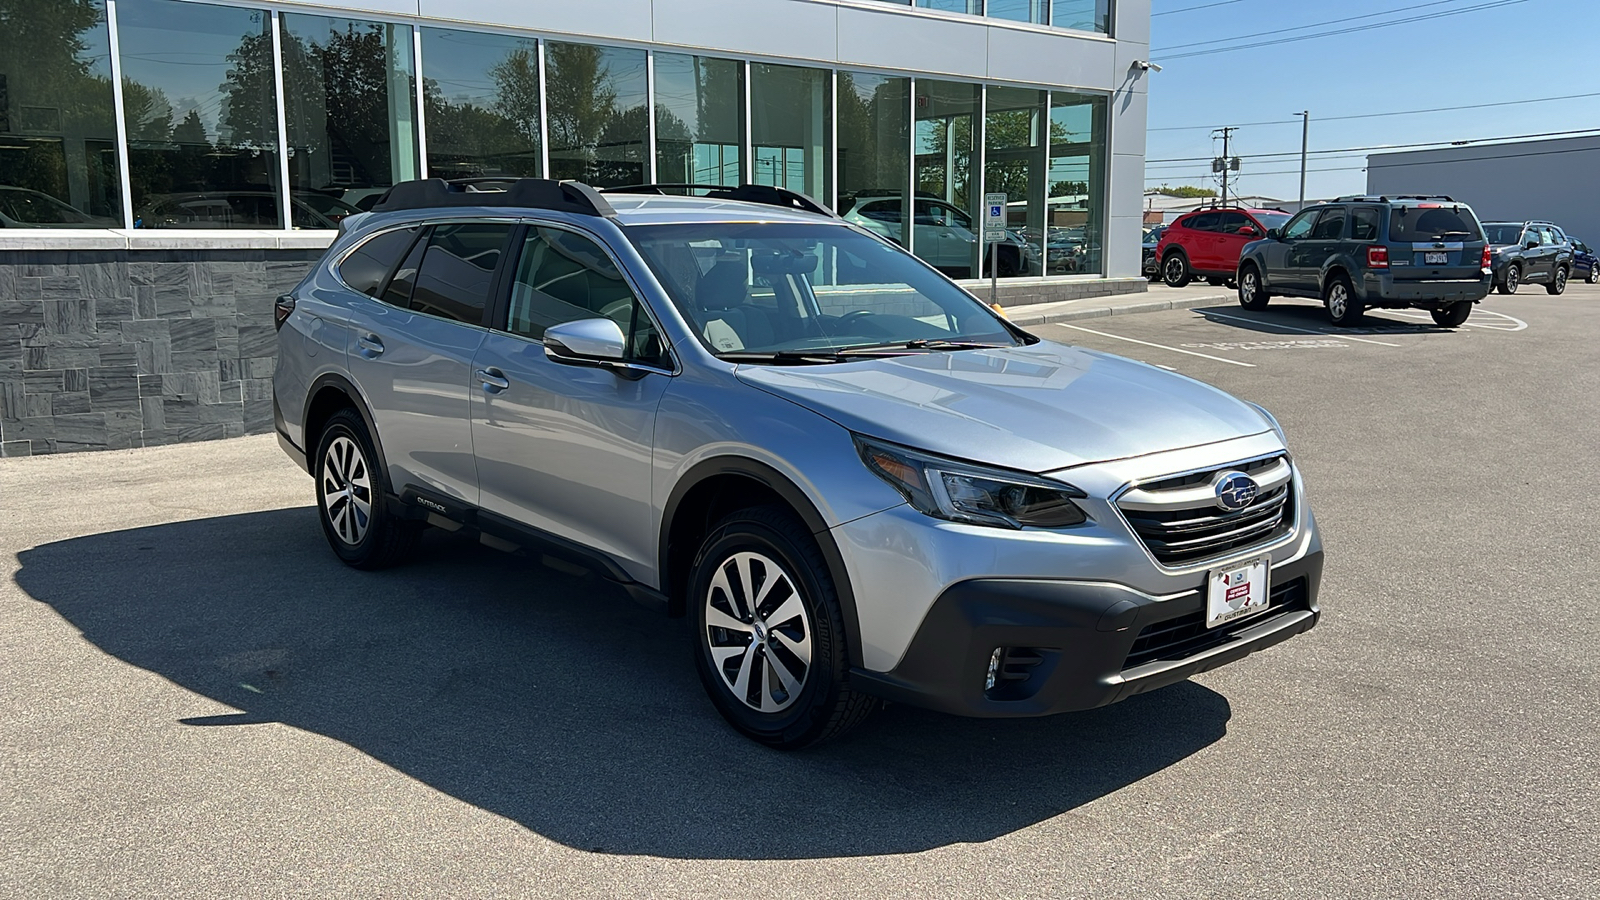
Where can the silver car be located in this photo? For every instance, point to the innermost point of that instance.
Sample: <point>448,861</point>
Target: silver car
<point>859,482</point>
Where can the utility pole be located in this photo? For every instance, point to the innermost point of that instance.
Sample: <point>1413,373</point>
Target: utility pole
<point>1226,162</point>
<point>1305,140</point>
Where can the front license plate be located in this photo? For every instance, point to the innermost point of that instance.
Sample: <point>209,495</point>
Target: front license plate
<point>1435,259</point>
<point>1236,592</point>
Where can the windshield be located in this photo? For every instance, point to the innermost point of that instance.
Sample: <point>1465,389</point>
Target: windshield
<point>786,291</point>
<point>1270,220</point>
<point>1433,223</point>
<point>1503,234</point>
<point>31,208</point>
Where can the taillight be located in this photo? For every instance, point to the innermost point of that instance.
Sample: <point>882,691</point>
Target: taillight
<point>281,310</point>
<point>1488,258</point>
<point>1377,257</point>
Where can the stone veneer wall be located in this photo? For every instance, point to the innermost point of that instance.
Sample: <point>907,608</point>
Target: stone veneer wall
<point>112,349</point>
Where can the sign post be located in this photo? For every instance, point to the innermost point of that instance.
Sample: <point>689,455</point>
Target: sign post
<point>994,231</point>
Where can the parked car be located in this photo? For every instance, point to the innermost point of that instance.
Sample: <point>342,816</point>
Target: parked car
<point>240,209</point>
<point>1529,252</point>
<point>1152,238</point>
<point>1584,263</point>
<point>25,208</point>
<point>855,479</point>
<point>1364,252</point>
<point>1207,243</point>
<point>944,233</point>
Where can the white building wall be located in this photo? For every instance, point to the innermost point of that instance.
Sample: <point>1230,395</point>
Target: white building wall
<point>1550,180</point>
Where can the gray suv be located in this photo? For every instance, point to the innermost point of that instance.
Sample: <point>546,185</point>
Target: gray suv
<point>856,480</point>
<point>1363,252</point>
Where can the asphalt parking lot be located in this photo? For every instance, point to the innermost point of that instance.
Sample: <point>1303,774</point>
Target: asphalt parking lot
<point>197,699</point>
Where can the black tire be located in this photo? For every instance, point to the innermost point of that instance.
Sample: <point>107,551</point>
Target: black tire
<point>1339,295</point>
<point>1214,281</point>
<point>1558,284</point>
<point>1510,280</point>
<point>1175,270</point>
<point>1593,275</point>
<point>345,458</point>
<point>825,706</point>
<point>1252,293</point>
<point>1453,315</point>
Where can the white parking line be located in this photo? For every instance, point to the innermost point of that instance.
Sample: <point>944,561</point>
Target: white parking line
<point>1231,362</point>
<point>1333,334</point>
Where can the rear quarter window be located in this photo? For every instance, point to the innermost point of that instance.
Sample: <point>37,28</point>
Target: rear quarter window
<point>1438,223</point>
<point>369,264</point>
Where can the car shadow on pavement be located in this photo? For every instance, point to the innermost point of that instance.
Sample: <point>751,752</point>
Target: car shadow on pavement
<point>552,700</point>
<point>1295,318</point>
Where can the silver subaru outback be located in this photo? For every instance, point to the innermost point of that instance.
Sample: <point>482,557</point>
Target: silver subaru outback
<point>857,481</point>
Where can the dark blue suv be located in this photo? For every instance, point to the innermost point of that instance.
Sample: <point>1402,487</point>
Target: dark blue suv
<point>1365,252</point>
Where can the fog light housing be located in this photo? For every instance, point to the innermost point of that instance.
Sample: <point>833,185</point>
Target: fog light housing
<point>994,669</point>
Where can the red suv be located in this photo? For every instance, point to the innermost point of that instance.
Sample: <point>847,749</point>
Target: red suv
<point>1206,243</point>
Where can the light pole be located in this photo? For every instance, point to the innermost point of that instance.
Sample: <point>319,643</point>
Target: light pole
<point>1305,138</point>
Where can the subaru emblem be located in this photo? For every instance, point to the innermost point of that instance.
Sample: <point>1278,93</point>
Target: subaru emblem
<point>1236,490</point>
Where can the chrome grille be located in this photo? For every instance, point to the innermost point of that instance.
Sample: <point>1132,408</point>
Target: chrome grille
<point>1181,522</point>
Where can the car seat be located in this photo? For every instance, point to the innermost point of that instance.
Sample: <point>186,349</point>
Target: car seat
<point>726,318</point>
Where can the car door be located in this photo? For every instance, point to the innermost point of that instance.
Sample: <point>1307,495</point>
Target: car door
<point>1286,258</point>
<point>1322,244</point>
<point>1535,266</point>
<point>1230,240</point>
<point>567,449</point>
<point>411,354</point>
<point>1199,241</point>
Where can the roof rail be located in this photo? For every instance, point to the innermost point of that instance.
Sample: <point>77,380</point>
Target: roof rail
<point>533,193</point>
<point>1384,198</point>
<point>746,193</point>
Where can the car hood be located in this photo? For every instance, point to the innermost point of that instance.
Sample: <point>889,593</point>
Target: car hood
<point>1035,409</point>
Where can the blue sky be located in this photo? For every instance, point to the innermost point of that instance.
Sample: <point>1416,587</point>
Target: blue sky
<point>1504,50</point>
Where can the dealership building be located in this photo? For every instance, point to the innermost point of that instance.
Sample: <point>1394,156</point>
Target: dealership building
<point>168,167</point>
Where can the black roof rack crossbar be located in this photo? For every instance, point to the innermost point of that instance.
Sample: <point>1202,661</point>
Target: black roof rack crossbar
<point>746,193</point>
<point>1384,198</point>
<point>532,193</point>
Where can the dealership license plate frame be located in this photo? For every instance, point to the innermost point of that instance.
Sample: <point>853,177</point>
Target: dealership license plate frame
<point>1223,588</point>
<point>1436,258</point>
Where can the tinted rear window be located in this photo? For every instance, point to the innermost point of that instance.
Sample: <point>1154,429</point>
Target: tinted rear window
<point>1439,223</point>
<point>454,279</point>
<point>1503,234</point>
<point>1202,222</point>
<point>365,269</point>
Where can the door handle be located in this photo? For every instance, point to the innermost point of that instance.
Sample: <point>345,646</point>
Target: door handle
<point>494,380</point>
<point>371,345</point>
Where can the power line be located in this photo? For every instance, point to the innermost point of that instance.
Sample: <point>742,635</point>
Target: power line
<point>1507,137</point>
<point>1308,37</point>
<point>1170,12</point>
<point>1399,112</point>
<point>1245,37</point>
<point>1392,165</point>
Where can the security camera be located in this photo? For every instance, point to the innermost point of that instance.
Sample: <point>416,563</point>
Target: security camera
<point>1146,65</point>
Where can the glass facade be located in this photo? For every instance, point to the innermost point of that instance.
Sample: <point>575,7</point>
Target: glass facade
<point>200,98</point>
<point>790,113</point>
<point>1080,15</point>
<point>599,114</point>
<point>480,93</point>
<point>350,100</point>
<point>699,120</point>
<point>58,133</point>
<point>227,119</point>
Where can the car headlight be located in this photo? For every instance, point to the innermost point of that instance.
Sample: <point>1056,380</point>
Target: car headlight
<point>962,492</point>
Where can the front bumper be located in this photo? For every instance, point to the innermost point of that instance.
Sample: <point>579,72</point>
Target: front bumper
<point>1380,290</point>
<point>1079,645</point>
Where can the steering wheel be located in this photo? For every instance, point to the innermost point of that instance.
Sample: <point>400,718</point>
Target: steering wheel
<point>854,315</point>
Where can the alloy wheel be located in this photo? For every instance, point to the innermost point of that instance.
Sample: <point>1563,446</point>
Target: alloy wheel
<point>1561,279</point>
<point>758,631</point>
<point>347,490</point>
<point>1513,276</point>
<point>1338,301</point>
<point>1247,287</point>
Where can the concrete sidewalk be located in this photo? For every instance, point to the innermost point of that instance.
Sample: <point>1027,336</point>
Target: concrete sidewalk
<point>1158,298</point>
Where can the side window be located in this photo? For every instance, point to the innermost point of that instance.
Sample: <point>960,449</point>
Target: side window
<point>1551,234</point>
<point>369,264</point>
<point>563,276</point>
<point>1331,226</point>
<point>883,211</point>
<point>1231,222</point>
<point>458,269</point>
<point>1203,222</point>
<point>1530,235</point>
<point>398,291</point>
<point>1364,223</point>
<point>1300,225</point>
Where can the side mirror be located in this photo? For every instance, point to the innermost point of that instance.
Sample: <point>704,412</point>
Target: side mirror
<point>1249,231</point>
<point>585,342</point>
<point>1275,233</point>
<point>1530,245</point>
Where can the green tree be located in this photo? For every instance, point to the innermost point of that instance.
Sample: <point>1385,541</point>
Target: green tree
<point>1184,190</point>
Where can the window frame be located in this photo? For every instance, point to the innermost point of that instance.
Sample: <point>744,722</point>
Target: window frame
<point>1344,224</point>
<point>495,278</point>
<point>1310,215</point>
<point>498,318</point>
<point>425,232</point>
<point>1378,218</point>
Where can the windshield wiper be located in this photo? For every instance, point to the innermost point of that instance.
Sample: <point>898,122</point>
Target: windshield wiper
<point>924,344</point>
<point>798,357</point>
